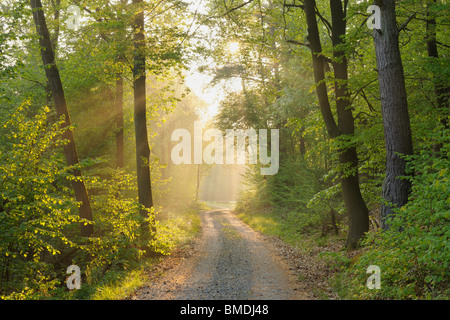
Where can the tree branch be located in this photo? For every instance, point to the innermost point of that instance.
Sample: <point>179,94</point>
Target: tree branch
<point>299,43</point>
<point>325,21</point>
<point>403,26</point>
<point>236,8</point>
<point>288,5</point>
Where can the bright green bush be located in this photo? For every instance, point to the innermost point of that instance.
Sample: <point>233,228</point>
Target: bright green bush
<point>414,254</point>
<point>39,223</point>
<point>116,242</point>
<point>35,203</point>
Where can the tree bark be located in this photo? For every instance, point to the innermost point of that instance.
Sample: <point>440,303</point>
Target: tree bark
<point>140,117</point>
<point>356,208</point>
<point>354,203</point>
<point>54,39</point>
<point>198,183</point>
<point>119,121</point>
<point>318,67</point>
<point>54,81</point>
<point>394,107</point>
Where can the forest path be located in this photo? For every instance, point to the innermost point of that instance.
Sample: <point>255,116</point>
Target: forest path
<point>228,261</point>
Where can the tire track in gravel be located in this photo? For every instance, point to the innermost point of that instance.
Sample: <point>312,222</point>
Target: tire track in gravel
<point>229,261</point>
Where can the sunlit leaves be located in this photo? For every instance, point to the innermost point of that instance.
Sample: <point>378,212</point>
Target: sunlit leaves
<point>35,205</point>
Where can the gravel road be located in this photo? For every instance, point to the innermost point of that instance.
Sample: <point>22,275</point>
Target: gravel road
<point>228,261</point>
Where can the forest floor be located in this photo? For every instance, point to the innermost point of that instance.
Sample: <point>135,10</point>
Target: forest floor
<point>229,260</point>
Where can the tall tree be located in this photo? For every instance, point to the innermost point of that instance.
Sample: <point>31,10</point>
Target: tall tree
<point>354,203</point>
<point>54,81</point>
<point>394,107</point>
<point>118,102</point>
<point>140,114</point>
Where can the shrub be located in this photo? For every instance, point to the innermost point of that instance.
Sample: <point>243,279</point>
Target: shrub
<point>413,254</point>
<point>39,223</point>
<point>35,204</point>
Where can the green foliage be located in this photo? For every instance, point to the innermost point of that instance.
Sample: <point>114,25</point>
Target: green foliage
<point>39,221</point>
<point>117,241</point>
<point>413,254</point>
<point>287,194</point>
<point>36,208</point>
<point>254,194</point>
<point>294,184</point>
<point>117,279</point>
<point>39,229</point>
<point>178,229</point>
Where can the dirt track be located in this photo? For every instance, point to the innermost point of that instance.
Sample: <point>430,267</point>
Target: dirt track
<point>228,261</point>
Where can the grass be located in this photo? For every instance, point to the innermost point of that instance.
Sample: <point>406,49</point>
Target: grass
<point>272,224</point>
<point>121,289</point>
<point>267,223</point>
<point>176,230</point>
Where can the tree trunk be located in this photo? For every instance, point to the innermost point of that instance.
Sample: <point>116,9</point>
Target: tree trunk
<point>318,67</point>
<point>354,203</point>
<point>333,221</point>
<point>198,183</point>
<point>119,121</point>
<point>394,107</point>
<point>54,81</point>
<point>358,214</point>
<point>163,158</point>
<point>355,206</point>
<point>54,39</point>
<point>140,117</point>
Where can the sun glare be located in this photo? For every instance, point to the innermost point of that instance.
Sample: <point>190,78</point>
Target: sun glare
<point>233,47</point>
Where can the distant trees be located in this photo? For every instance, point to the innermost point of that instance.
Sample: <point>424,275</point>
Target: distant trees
<point>118,109</point>
<point>441,86</point>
